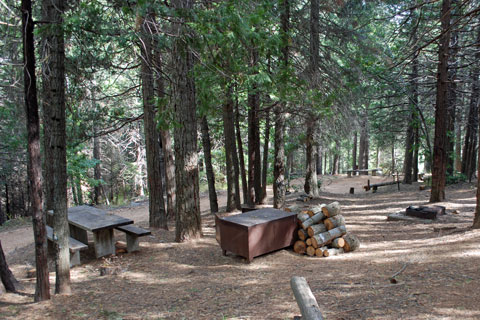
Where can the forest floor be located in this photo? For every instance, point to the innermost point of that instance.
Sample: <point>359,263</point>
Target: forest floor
<point>168,280</point>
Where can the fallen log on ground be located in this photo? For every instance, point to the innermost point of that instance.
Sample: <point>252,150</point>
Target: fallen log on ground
<point>351,242</point>
<point>305,299</point>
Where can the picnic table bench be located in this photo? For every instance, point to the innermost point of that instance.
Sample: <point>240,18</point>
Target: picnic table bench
<point>74,245</point>
<point>133,233</point>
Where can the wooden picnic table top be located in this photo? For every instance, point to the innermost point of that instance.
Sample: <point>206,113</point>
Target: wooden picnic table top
<point>260,216</point>
<point>94,222</point>
<point>93,219</point>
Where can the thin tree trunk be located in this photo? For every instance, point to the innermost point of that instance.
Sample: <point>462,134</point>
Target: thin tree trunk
<point>310,186</point>
<point>188,221</point>
<point>415,154</point>
<point>440,141</point>
<point>212,194</point>
<point>229,135</point>
<point>318,160</point>
<point>42,288</point>
<point>263,198</point>
<point>243,172</point>
<point>354,152</point>
<point>279,142</point>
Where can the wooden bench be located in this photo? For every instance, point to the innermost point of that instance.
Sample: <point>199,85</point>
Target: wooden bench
<point>74,245</point>
<point>133,233</point>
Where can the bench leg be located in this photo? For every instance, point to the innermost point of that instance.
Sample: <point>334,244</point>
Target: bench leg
<point>103,242</point>
<point>132,243</point>
<point>79,234</point>
<point>74,258</point>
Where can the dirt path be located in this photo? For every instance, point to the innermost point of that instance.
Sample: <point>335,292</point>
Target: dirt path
<point>168,280</point>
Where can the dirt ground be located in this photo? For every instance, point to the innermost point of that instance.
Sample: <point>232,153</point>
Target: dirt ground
<point>168,280</point>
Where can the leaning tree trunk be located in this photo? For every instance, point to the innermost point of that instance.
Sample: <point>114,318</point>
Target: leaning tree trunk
<point>279,143</point>
<point>157,214</point>
<point>7,276</point>
<point>188,221</point>
<point>207,151</point>
<point>440,141</point>
<point>42,288</point>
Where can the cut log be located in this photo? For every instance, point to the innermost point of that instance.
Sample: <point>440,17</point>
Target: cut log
<point>332,209</point>
<point>301,217</point>
<point>302,234</point>
<point>319,252</point>
<point>326,237</point>
<point>338,243</point>
<point>332,252</point>
<point>310,251</point>
<point>306,301</point>
<point>313,220</point>
<point>351,242</point>
<point>308,241</point>
<point>401,216</point>
<point>334,222</point>
<point>299,247</point>
<point>316,229</point>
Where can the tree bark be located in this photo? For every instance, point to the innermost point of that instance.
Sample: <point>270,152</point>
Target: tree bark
<point>238,133</point>
<point>440,141</point>
<point>354,152</point>
<point>6,275</point>
<point>54,10</point>
<point>157,214</point>
<point>318,160</point>
<point>42,288</point>
<point>470,142</point>
<point>230,148</point>
<point>263,198</point>
<point>207,151</point>
<point>188,221</point>
<point>311,186</point>
<point>279,187</point>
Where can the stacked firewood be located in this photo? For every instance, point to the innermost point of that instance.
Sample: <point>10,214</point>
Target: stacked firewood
<point>322,232</point>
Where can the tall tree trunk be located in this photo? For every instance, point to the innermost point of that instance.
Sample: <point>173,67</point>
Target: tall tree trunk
<point>54,80</point>
<point>452,92</point>
<point>188,221</point>
<point>42,288</point>
<point>310,186</point>
<point>157,214</point>
<point>354,152</point>
<point>470,143</point>
<point>415,154</point>
<point>230,149</point>
<point>318,160</point>
<point>263,198</point>
<point>238,133</point>
<point>165,137</point>
<point>440,141</point>
<point>207,151</point>
<point>363,152</point>
<point>279,141</point>
<point>47,65</point>
<point>97,173</point>
<point>409,149</point>
<point>393,156</point>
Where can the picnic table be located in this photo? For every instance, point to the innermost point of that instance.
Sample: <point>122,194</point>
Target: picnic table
<point>360,171</point>
<point>85,219</point>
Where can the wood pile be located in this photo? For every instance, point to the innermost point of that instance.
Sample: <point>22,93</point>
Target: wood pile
<point>322,232</point>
